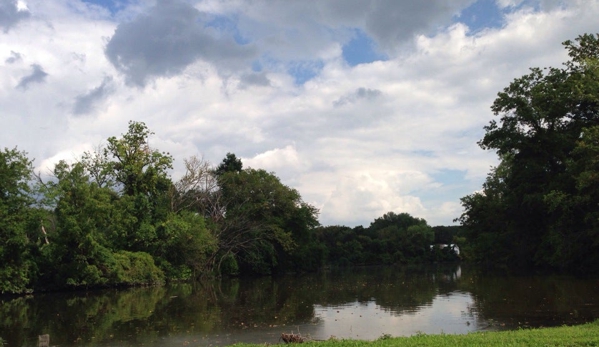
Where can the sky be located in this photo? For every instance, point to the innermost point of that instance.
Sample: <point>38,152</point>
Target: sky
<point>364,106</point>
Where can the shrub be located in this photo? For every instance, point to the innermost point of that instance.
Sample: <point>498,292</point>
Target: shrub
<point>135,268</point>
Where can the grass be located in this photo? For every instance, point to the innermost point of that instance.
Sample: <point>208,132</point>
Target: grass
<point>581,335</point>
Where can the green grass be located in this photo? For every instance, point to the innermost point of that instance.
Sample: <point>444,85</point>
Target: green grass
<point>581,335</point>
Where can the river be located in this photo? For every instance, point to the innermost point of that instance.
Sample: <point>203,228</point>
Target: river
<point>356,303</point>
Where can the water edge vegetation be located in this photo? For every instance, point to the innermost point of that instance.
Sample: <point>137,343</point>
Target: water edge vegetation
<point>579,335</point>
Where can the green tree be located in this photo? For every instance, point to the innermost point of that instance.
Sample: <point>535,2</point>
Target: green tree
<point>573,236</point>
<point>134,164</point>
<point>18,267</point>
<point>446,234</point>
<point>113,217</point>
<point>266,223</point>
<point>141,173</point>
<point>486,222</point>
<point>161,218</point>
<point>185,245</point>
<point>543,116</point>
<point>229,164</point>
<point>336,240</point>
<point>81,249</point>
<point>408,238</point>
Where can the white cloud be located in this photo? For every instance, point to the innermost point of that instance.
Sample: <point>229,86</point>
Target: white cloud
<point>11,13</point>
<point>355,141</point>
<point>276,160</point>
<point>508,3</point>
<point>376,193</point>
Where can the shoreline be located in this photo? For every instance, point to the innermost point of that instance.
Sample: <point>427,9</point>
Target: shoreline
<point>576,335</point>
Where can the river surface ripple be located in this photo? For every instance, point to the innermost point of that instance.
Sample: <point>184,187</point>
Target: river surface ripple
<point>358,303</point>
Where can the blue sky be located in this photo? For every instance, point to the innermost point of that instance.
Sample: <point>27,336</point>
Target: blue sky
<point>364,106</point>
<point>481,15</point>
<point>361,49</point>
<point>112,5</point>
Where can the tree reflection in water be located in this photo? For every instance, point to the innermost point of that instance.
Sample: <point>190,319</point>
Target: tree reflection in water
<point>360,303</point>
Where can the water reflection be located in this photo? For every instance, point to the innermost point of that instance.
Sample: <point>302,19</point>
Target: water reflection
<point>509,302</point>
<point>445,314</point>
<point>399,303</point>
<point>354,303</point>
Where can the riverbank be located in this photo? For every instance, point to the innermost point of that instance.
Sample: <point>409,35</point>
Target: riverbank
<point>580,335</point>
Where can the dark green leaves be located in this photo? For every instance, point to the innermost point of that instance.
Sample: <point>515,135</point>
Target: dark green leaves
<point>538,206</point>
<point>16,216</point>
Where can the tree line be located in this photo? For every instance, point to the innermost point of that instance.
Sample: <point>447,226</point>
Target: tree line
<point>116,217</point>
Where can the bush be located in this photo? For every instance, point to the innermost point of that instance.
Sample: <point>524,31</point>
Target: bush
<point>135,268</point>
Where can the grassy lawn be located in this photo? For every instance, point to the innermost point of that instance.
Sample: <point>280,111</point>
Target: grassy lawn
<point>581,335</point>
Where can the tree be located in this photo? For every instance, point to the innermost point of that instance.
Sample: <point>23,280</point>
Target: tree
<point>402,221</point>
<point>134,164</point>
<point>229,164</point>
<point>163,219</point>
<point>142,176</point>
<point>198,190</point>
<point>197,207</point>
<point>486,223</point>
<point>79,251</point>
<point>17,221</point>
<point>408,238</point>
<point>185,245</point>
<point>337,241</point>
<point>265,221</point>
<point>446,234</point>
<point>544,114</point>
<point>573,236</point>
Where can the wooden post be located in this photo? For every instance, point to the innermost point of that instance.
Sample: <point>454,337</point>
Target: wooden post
<point>44,340</point>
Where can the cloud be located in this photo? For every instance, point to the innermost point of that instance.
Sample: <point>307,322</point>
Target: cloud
<point>392,22</point>
<point>282,161</point>
<point>85,103</point>
<point>14,57</point>
<point>38,75</point>
<point>360,94</point>
<point>11,14</point>
<point>306,29</point>
<point>254,79</point>
<point>376,192</point>
<point>355,141</point>
<point>166,40</point>
<point>508,3</point>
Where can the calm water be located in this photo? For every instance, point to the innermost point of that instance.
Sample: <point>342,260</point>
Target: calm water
<point>360,303</point>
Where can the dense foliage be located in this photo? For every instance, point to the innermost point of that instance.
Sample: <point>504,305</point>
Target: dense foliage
<point>538,207</point>
<point>115,217</point>
<point>16,220</point>
<point>390,239</point>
